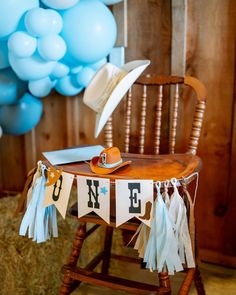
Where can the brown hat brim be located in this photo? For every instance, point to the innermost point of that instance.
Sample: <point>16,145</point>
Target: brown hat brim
<point>100,170</point>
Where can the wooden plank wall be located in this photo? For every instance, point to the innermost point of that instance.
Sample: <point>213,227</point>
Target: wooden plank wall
<point>209,54</point>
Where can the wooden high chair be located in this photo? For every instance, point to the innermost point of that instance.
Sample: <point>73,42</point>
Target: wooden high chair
<point>165,91</point>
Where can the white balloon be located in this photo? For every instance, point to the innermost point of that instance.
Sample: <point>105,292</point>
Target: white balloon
<point>0,131</point>
<point>60,4</point>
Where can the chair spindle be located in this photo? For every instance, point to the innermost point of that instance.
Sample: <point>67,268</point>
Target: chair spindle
<point>128,120</point>
<point>108,133</point>
<point>196,127</point>
<point>158,116</point>
<point>174,118</point>
<point>143,120</point>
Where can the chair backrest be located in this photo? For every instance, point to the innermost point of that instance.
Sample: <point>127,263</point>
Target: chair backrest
<point>167,95</point>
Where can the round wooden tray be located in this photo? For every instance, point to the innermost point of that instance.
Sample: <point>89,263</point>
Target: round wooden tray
<point>155,167</point>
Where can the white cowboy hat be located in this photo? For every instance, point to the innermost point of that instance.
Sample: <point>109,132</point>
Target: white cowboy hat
<point>109,86</point>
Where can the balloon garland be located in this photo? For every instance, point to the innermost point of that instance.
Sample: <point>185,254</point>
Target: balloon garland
<point>49,44</point>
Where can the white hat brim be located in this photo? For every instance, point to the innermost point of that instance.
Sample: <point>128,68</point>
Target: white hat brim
<point>134,70</point>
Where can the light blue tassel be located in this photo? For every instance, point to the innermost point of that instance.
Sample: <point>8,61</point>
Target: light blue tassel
<point>162,250</point>
<point>29,219</point>
<point>40,222</point>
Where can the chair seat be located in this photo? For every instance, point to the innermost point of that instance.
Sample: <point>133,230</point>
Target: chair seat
<point>155,167</point>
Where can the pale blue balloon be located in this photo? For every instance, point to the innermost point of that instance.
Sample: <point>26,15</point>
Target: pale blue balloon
<point>60,70</point>
<point>51,47</point>
<point>76,69</point>
<point>111,2</point>
<point>56,22</point>
<point>89,29</point>
<point>4,62</point>
<point>60,4</point>
<point>11,87</point>
<point>65,86</point>
<point>84,77</point>
<point>22,116</point>
<point>11,12</point>
<point>22,44</point>
<point>0,131</point>
<point>42,87</point>
<point>37,22</point>
<point>97,65</point>
<point>31,68</point>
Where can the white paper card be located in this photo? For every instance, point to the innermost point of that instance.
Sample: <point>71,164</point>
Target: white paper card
<point>134,198</point>
<point>73,154</point>
<point>94,195</point>
<point>59,193</point>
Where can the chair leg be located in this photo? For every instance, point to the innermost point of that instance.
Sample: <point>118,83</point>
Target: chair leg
<point>164,280</point>
<point>67,282</point>
<point>185,286</point>
<point>107,249</point>
<point>198,282</point>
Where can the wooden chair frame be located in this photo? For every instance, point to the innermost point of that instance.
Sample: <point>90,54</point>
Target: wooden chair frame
<point>74,275</point>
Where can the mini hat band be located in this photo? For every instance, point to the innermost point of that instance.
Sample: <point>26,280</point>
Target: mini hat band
<point>104,165</point>
<point>98,105</point>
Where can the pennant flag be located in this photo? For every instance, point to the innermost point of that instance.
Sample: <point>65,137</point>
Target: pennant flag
<point>94,195</point>
<point>59,193</point>
<point>134,198</point>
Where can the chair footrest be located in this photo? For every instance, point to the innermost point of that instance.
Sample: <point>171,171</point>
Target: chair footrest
<point>113,282</point>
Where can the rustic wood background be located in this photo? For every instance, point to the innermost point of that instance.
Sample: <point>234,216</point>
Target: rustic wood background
<point>188,37</point>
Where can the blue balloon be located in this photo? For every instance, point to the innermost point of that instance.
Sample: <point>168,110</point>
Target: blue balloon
<point>76,69</point>
<point>60,70</point>
<point>85,76</point>
<point>60,4</point>
<point>11,87</point>
<point>51,47</point>
<point>111,2</point>
<point>4,62</point>
<point>65,86</point>
<point>56,22</point>
<point>31,68</point>
<point>41,88</point>
<point>22,44</point>
<point>21,117</point>
<point>37,22</point>
<point>97,65</point>
<point>89,29</point>
<point>11,12</point>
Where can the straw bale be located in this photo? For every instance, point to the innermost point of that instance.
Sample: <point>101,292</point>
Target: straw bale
<point>29,268</point>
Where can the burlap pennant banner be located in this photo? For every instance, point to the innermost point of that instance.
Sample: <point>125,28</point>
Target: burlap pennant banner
<point>94,196</point>
<point>134,198</point>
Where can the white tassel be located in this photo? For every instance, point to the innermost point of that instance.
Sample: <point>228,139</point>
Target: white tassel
<point>178,216</point>
<point>141,242</point>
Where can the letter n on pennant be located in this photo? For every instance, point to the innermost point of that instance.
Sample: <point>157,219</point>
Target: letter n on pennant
<point>93,195</point>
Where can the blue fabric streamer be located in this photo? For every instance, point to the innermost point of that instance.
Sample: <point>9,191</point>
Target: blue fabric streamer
<point>162,250</point>
<point>40,222</point>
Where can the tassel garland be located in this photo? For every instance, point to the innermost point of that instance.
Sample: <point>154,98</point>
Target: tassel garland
<point>167,245</point>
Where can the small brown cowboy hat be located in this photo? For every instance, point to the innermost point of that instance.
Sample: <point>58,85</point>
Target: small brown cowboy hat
<point>108,161</point>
